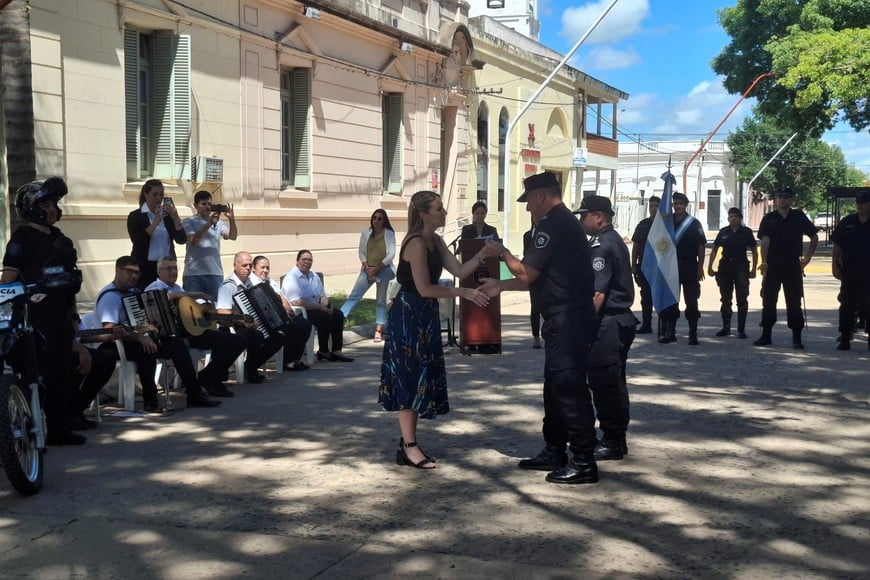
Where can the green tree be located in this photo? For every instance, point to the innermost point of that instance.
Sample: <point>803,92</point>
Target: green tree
<point>808,165</point>
<point>819,51</point>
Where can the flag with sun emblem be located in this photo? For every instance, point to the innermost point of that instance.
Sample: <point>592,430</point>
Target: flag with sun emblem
<point>660,254</point>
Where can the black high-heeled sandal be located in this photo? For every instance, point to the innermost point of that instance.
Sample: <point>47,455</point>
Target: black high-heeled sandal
<point>402,445</point>
<point>402,458</point>
<point>340,357</point>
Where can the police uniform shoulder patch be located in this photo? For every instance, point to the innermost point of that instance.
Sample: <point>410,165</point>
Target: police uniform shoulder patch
<point>598,264</point>
<point>541,240</point>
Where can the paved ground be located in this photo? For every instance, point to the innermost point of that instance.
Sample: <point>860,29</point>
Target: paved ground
<point>744,463</point>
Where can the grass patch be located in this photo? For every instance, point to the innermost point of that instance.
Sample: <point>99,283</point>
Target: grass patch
<point>363,313</point>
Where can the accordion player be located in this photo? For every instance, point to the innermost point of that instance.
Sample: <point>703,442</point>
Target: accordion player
<point>152,307</point>
<point>265,306</point>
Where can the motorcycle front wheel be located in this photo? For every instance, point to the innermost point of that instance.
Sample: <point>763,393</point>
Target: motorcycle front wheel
<point>21,457</point>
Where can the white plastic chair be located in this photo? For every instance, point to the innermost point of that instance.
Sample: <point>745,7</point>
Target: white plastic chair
<point>309,346</point>
<point>126,373</point>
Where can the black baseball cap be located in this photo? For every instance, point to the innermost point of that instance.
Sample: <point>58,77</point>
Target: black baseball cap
<point>784,192</point>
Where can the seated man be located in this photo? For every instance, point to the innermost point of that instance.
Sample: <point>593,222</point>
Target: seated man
<point>225,347</point>
<point>91,370</point>
<point>296,333</point>
<point>109,311</point>
<point>260,348</point>
<point>302,287</point>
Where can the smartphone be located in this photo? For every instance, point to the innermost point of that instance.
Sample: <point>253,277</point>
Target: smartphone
<point>167,201</point>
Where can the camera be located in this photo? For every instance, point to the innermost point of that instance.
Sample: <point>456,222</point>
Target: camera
<point>220,208</point>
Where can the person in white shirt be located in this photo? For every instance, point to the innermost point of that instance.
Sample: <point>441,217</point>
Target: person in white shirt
<point>302,287</point>
<point>203,271</point>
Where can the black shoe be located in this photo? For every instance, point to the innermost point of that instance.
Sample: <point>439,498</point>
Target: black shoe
<point>337,356</point>
<point>255,377</point>
<point>645,329</point>
<point>577,471</point>
<point>667,339</point>
<point>763,341</point>
<point>80,423</point>
<point>550,458</point>
<point>726,330</point>
<point>217,390</point>
<point>65,438</point>
<point>153,406</point>
<point>693,340</point>
<point>844,345</point>
<point>741,334</point>
<point>201,401</point>
<point>610,450</point>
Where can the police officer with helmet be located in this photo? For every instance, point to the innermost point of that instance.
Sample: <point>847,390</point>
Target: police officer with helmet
<point>32,248</point>
<point>614,295</point>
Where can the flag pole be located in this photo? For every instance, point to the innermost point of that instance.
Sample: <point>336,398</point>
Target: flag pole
<point>513,123</point>
<point>769,161</point>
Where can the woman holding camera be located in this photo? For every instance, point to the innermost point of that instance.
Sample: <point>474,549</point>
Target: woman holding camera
<point>202,265</point>
<point>153,228</point>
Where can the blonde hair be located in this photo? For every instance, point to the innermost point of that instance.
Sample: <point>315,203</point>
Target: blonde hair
<point>420,203</point>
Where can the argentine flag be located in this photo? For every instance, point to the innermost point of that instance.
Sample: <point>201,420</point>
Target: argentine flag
<point>660,254</point>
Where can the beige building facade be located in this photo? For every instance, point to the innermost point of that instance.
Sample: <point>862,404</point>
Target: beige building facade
<point>305,117</point>
<point>575,112</point>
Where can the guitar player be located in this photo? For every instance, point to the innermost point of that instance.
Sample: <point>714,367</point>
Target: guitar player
<point>225,347</point>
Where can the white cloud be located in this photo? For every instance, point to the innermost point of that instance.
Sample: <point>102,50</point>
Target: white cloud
<point>607,58</point>
<point>623,20</point>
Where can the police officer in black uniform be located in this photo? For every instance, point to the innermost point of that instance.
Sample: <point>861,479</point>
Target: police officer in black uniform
<point>638,245</point>
<point>781,234</point>
<point>734,271</point>
<point>691,242</point>
<point>32,248</point>
<point>850,264</point>
<point>614,295</point>
<point>557,270</point>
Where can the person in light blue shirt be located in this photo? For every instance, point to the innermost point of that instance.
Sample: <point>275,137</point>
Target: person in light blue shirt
<point>203,271</point>
<point>302,287</point>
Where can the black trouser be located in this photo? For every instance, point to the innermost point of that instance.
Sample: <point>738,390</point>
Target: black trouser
<point>55,362</point>
<point>86,388</point>
<point>260,349</point>
<point>646,301</point>
<point>329,325</point>
<point>733,277</point>
<point>568,413</point>
<point>296,334</point>
<point>535,321</point>
<point>606,373</point>
<point>691,293</point>
<point>791,277</point>
<point>854,296</point>
<point>225,349</point>
<point>173,348</point>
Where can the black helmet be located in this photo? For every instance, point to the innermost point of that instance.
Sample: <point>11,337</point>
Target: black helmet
<point>28,197</point>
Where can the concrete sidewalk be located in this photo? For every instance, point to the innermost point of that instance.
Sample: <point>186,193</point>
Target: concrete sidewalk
<point>744,462</point>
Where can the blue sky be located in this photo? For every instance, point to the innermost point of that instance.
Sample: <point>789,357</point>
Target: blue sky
<point>659,52</point>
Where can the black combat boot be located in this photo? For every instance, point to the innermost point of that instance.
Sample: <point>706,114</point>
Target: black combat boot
<point>844,342</point>
<point>796,342</point>
<point>764,339</point>
<point>741,325</point>
<point>693,333</point>
<point>669,331</point>
<point>646,326</point>
<point>550,458</point>
<point>726,326</point>
<point>581,469</point>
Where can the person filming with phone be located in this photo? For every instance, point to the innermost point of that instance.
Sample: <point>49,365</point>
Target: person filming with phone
<point>154,229</point>
<point>203,271</point>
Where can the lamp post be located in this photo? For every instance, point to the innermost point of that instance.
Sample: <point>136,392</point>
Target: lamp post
<point>525,107</point>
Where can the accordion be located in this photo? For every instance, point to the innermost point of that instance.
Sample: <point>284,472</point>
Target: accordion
<point>265,306</point>
<point>152,307</point>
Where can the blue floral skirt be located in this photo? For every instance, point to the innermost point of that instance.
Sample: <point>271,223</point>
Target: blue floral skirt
<point>412,372</point>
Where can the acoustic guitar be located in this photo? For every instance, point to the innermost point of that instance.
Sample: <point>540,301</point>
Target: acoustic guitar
<point>197,317</point>
<point>141,329</point>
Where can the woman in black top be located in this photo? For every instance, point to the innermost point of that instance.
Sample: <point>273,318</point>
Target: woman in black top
<point>413,377</point>
<point>153,228</point>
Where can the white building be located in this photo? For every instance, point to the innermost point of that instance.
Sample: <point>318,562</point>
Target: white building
<point>710,182</point>
<point>520,15</point>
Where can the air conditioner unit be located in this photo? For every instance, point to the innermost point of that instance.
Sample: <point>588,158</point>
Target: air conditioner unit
<point>207,169</point>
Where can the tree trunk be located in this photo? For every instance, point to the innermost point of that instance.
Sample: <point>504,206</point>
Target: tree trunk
<point>16,95</point>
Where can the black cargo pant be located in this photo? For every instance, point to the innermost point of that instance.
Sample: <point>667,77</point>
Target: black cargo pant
<point>606,372</point>
<point>791,277</point>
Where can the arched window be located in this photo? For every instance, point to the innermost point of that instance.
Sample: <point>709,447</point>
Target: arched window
<point>557,125</point>
<point>502,161</point>
<point>483,153</point>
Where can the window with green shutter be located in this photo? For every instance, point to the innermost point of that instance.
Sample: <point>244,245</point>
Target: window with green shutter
<point>392,145</point>
<point>295,134</point>
<point>157,104</point>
